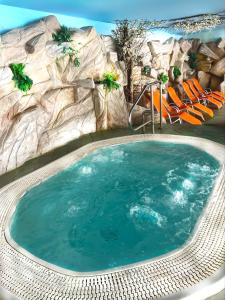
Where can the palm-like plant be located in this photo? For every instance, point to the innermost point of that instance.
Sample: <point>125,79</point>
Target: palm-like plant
<point>110,81</point>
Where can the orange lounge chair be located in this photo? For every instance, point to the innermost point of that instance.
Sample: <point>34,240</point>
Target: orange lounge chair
<point>183,106</point>
<point>215,94</point>
<point>194,97</point>
<point>173,112</point>
<point>195,102</point>
<point>210,98</point>
<point>199,96</point>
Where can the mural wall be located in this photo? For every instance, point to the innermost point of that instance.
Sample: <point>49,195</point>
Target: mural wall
<point>13,17</point>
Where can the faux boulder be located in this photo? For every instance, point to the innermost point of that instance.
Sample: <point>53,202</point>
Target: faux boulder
<point>157,48</point>
<point>204,79</point>
<point>215,83</point>
<point>192,57</point>
<point>61,105</point>
<point>218,69</point>
<point>222,85</point>
<point>185,45</point>
<point>221,43</point>
<point>204,49</point>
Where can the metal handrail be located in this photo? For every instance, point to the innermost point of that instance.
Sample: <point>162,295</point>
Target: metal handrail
<point>146,87</point>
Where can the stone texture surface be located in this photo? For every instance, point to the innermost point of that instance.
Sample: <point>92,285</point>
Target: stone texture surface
<point>117,114</point>
<point>219,51</point>
<point>185,45</point>
<point>195,45</point>
<point>165,56</point>
<point>109,43</point>
<point>222,85</point>
<point>203,64</point>
<point>204,49</point>
<point>204,79</point>
<point>175,52</point>
<point>61,104</point>
<point>221,43</point>
<point>219,68</point>
<point>215,83</point>
<point>157,47</point>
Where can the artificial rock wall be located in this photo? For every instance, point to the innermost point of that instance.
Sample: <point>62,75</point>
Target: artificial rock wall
<point>162,57</point>
<point>64,102</point>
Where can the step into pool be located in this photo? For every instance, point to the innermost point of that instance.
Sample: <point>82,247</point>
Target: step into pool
<point>117,206</point>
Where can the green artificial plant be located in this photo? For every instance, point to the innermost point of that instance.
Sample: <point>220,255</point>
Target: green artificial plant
<point>110,81</point>
<point>63,35</point>
<point>163,78</point>
<point>146,70</point>
<point>22,81</point>
<point>192,60</point>
<point>176,72</point>
<point>73,55</point>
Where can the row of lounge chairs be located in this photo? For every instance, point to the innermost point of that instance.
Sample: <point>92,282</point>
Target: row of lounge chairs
<point>193,110</point>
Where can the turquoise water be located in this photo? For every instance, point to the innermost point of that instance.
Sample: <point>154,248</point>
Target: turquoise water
<point>118,205</point>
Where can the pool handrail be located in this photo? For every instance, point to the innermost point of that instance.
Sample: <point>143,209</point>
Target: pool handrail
<point>149,87</point>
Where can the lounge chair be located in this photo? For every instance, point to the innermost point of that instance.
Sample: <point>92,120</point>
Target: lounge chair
<point>209,98</point>
<point>196,103</point>
<point>192,95</point>
<point>184,106</point>
<point>172,112</point>
<point>215,94</point>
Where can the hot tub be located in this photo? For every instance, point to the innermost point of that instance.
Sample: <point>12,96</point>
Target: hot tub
<point>133,207</point>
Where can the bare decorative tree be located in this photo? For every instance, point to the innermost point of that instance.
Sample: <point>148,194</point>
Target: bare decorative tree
<point>129,36</point>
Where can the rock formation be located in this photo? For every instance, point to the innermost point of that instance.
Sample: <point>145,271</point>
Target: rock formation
<point>64,102</point>
<point>208,62</point>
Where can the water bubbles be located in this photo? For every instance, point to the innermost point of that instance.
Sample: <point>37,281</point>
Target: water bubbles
<point>86,170</point>
<point>146,199</point>
<point>74,207</point>
<point>187,184</point>
<point>146,196</point>
<point>202,173</point>
<point>117,155</point>
<point>143,217</point>
<point>72,211</point>
<point>196,169</point>
<point>100,158</point>
<point>179,198</point>
<point>171,176</point>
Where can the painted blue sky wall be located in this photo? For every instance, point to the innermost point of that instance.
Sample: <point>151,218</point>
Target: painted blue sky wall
<point>108,11</point>
<point>13,17</point>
